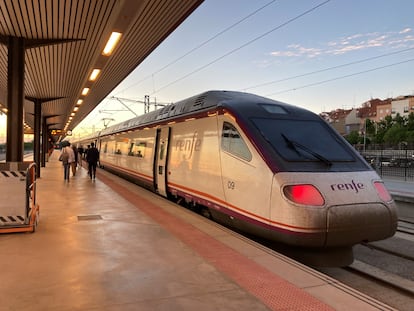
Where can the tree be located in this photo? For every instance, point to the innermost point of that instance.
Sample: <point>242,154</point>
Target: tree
<point>390,130</point>
<point>353,138</point>
<point>398,119</point>
<point>410,122</point>
<point>396,134</point>
<point>370,127</point>
<point>409,136</point>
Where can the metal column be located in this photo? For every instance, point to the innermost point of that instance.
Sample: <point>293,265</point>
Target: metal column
<point>37,131</point>
<point>15,99</point>
<point>44,141</point>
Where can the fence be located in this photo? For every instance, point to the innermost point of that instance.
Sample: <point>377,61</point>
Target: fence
<point>392,163</point>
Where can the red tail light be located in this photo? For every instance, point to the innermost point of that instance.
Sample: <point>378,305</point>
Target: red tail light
<point>304,194</point>
<point>382,191</point>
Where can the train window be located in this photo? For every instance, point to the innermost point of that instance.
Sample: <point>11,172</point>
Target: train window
<point>303,140</point>
<point>162,150</point>
<point>274,109</point>
<point>139,150</point>
<point>131,147</point>
<point>232,142</point>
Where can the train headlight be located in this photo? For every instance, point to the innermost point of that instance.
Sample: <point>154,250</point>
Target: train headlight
<point>382,191</point>
<point>304,194</point>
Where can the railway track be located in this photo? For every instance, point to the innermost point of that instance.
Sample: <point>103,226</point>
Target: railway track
<point>381,285</point>
<point>406,226</point>
<point>383,270</point>
<point>383,278</point>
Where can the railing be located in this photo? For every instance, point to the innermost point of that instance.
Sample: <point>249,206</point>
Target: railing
<point>392,163</point>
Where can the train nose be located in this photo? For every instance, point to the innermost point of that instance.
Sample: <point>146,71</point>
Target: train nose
<point>352,224</point>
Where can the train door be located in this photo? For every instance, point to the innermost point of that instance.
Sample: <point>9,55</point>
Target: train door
<point>161,160</point>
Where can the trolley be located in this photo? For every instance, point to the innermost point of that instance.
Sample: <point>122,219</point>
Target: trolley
<point>19,211</point>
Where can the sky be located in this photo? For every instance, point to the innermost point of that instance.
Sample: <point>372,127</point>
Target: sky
<point>317,54</point>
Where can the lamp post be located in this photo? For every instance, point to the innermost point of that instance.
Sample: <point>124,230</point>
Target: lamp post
<point>365,133</point>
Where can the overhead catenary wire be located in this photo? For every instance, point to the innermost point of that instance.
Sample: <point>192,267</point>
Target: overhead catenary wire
<point>200,45</point>
<point>243,45</point>
<point>326,69</point>
<point>340,77</point>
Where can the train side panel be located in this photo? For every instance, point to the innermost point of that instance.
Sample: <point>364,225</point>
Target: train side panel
<point>194,170</point>
<point>204,169</point>
<point>247,180</point>
<point>131,154</point>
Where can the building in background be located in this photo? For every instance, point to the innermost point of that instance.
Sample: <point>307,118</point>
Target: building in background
<point>346,121</point>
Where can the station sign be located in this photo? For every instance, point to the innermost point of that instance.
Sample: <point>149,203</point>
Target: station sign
<point>61,132</point>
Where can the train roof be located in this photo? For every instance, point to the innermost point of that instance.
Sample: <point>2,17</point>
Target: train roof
<point>204,101</point>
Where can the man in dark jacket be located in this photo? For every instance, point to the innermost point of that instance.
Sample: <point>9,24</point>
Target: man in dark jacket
<point>92,157</point>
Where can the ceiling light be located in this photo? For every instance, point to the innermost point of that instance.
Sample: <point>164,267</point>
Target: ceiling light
<point>110,45</point>
<point>85,91</point>
<point>94,74</point>
<point>76,109</point>
<point>72,114</point>
<point>79,102</point>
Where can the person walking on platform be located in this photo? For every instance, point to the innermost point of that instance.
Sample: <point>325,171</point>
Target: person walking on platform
<point>92,157</point>
<point>74,164</point>
<point>80,155</point>
<point>67,156</point>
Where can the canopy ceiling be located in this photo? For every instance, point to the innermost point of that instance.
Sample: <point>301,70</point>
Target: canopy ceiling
<point>64,40</point>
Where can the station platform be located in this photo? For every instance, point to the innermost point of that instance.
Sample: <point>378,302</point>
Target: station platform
<point>400,190</point>
<point>110,245</point>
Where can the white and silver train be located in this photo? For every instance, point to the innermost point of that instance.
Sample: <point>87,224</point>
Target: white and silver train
<point>261,166</point>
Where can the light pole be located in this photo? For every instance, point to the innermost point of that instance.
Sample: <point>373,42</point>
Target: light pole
<point>365,133</point>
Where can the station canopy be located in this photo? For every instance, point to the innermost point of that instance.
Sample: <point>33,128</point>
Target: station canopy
<point>64,42</point>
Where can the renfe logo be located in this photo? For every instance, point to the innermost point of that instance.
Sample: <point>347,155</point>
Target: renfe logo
<point>355,186</point>
<point>188,145</point>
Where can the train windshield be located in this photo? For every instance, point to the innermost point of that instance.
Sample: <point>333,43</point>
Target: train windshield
<point>303,140</point>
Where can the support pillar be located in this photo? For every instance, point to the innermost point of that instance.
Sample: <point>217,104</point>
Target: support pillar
<point>15,99</point>
<point>45,142</point>
<point>40,142</point>
<point>37,132</point>
<point>45,133</point>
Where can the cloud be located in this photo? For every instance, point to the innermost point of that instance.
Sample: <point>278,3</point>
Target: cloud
<point>295,50</point>
<point>355,42</point>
